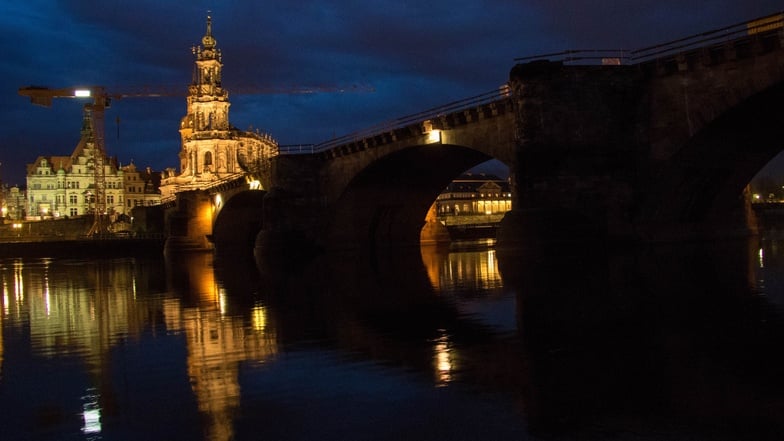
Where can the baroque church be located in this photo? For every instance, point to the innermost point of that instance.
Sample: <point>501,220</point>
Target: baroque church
<point>213,152</point>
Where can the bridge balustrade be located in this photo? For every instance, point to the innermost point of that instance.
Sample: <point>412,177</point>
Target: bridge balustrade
<point>739,38</point>
<point>496,95</point>
<point>738,34</point>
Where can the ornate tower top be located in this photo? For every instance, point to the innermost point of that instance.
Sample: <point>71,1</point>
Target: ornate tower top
<point>208,41</point>
<point>207,71</point>
<point>207,50</point>
<point>208,101</point>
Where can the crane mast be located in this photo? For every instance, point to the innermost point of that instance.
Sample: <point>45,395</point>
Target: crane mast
<point>96,111</point>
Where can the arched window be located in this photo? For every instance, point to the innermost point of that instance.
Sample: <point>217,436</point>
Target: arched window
<point>208,161</point>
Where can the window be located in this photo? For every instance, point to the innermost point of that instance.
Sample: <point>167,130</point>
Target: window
<point>207,159</point>
<point>74,211</point>
<point>73,199</point>
<point>110,199</point>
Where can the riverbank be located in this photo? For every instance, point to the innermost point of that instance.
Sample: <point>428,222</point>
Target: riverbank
<point>86,247</point>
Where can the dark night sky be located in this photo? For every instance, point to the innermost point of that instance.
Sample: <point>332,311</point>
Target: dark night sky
<point>416,55</point>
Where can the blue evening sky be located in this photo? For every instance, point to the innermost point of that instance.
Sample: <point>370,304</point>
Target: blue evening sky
<point>414,54</point>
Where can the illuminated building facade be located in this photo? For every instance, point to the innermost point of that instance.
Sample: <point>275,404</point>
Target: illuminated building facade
<point>60,186</point>
<point>213,151</point>
<point>475,194</point>
<point>141,187</point>
<point>13,205</point>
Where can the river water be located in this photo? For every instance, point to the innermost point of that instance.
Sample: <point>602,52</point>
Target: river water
<point>581,342</point>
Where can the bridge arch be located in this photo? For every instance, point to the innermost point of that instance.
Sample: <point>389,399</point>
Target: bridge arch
<point>386,203</point>
<point>704,181</point>
<point>238,220</point>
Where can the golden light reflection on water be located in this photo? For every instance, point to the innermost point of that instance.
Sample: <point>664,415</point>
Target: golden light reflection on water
<point>473,268</point>
<point>216,347</point>
<point>88,308</point>
<point>217,343</point>
<point>443,359</point>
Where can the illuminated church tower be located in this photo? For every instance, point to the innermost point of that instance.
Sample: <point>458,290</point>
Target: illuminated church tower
<point>213,151</point>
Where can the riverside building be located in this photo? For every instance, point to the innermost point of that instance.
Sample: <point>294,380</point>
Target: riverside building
<point>474,194</point>
<point>60,186</point>
<point>141,187</point>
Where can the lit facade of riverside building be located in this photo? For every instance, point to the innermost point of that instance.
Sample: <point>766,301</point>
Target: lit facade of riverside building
<point>59,186</point>
<point>475,194</point>
<point>213,152</point>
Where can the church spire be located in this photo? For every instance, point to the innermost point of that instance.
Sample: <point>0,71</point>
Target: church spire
<point>208,41</point>
<point>207,50</point>
<point>208,61</point>
<point>208,101</point>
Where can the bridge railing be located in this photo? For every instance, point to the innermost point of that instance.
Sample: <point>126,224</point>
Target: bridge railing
<point>584,56</point>
<point>623,56</point>
<point>295,149</point>
<point>708,38</point>
<point>188,186</point>
<point>464,104</point>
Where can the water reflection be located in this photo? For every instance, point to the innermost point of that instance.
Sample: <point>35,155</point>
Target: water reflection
<point>469,265</point>
<point>85,308</point>
<point>73,308</point>
<point>217,342</point>
<point>92,413</point>
<point>469,343</point>
<point>443,360</point>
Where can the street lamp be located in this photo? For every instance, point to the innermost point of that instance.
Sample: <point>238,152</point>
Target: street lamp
<point>434,136</point>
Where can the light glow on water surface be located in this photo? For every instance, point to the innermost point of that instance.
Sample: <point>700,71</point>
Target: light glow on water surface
<point>450,345</point>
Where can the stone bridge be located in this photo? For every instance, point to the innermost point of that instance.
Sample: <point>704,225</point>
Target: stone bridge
<point>657,145</point>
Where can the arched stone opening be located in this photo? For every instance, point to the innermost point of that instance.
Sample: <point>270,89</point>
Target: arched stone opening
<point>239,221</point>
<point>704,182</point>
<point>385,205</point>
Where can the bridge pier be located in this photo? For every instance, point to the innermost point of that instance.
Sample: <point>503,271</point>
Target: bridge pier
<point>523,228</point>
<point>433,232</point>
<point>189,223</point>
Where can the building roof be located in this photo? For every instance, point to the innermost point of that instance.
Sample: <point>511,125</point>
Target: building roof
<point>54,163</point>
<point>470,182</point>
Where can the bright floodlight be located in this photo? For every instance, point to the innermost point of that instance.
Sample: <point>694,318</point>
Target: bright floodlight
<point>82,93</point>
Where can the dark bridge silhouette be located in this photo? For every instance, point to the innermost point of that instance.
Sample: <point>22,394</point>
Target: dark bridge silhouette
<point>652,144</point>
